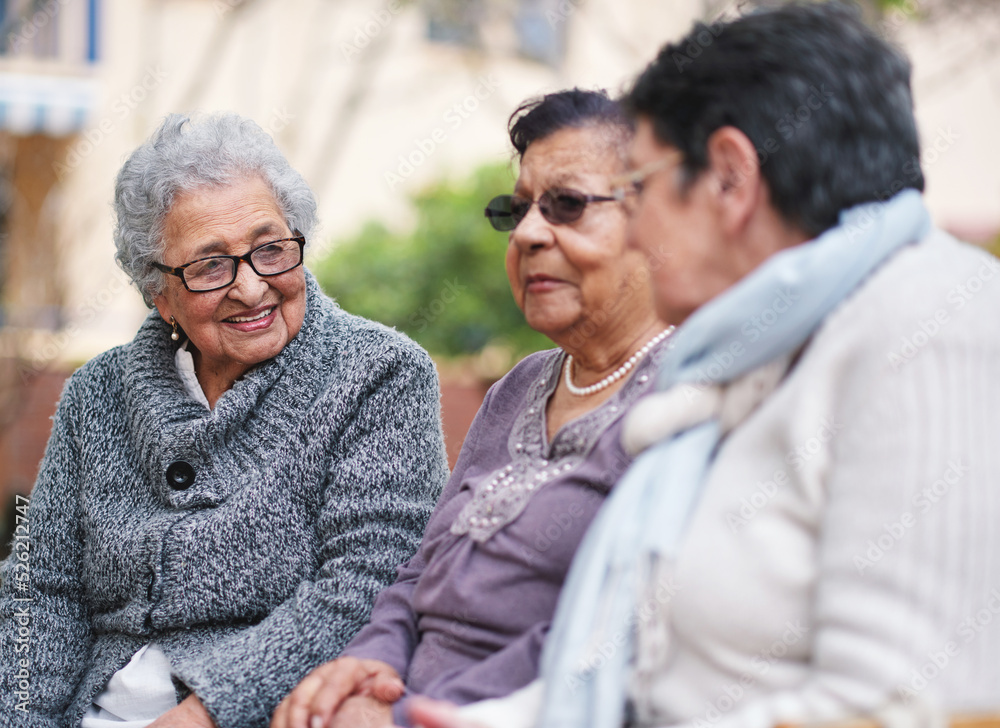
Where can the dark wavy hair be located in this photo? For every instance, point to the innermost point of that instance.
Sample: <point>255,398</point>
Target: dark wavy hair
<point>575,108</point>
<point>826,102</point>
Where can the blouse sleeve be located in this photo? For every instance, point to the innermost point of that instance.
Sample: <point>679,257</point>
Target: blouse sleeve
<point>520,657</point>
<point>391,634</point>
<point>45,634</point>
<point>379,491</point>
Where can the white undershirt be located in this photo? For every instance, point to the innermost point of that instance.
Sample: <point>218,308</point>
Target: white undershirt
<point>136,695</point>
<point>143,690</point>
<point>184,362</point>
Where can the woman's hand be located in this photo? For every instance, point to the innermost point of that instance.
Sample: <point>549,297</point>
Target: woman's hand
<point>362,711</point>
<point>436,714</point>
<point>322,692</point>
<point>190,713</point>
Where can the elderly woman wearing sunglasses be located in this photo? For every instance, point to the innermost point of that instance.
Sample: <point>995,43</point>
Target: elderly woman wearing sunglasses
<point>469,613</point>
<point>222,498</point>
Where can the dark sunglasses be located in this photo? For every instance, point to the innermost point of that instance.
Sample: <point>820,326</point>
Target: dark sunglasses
<point>558,206</point>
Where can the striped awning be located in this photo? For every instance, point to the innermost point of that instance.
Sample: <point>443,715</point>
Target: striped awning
<point>39,104</point>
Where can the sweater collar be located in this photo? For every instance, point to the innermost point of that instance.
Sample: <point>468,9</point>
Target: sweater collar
<point>167,426</point>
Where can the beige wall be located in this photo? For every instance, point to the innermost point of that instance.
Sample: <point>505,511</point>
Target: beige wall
<point>956,84</point>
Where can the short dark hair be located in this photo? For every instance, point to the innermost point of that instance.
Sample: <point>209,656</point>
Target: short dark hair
<point>575,108</point>
<point>825,101</point>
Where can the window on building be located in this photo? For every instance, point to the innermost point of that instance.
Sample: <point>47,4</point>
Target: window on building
<point>541,27</point>
<point>49,30</point>
<point>29,28</point>
<point>456,22</point>
<point>537,28</point>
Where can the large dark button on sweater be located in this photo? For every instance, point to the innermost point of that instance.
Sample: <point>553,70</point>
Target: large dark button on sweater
<point>180,475</point>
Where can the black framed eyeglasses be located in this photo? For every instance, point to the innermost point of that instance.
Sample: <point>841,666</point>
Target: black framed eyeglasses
<point>218,271</point>
<point>558,206</point>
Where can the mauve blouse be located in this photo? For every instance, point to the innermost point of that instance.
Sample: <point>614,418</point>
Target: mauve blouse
<point>467,616</point>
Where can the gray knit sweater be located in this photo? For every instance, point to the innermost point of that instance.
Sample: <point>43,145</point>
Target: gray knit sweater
<point>314,477</point>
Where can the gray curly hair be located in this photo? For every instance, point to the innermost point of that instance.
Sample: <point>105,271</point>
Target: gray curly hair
<point>185,154</point>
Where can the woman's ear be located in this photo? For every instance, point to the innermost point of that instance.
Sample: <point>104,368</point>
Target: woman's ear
<point>163,307</point>
<point>734,166</point>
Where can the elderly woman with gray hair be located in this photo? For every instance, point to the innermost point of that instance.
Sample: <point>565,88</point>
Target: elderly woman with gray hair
<point>223,497</point>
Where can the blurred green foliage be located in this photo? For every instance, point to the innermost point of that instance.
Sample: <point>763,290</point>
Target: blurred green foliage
<point>887,5</point>
<point>444,283</point>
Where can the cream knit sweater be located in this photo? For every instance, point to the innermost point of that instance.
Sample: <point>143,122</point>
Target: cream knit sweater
<point>844,554</point>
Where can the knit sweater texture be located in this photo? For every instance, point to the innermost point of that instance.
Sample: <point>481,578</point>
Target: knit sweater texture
<point>314,477</point>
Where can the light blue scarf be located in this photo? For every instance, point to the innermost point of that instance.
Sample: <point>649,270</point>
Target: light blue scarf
<point>773,311</point>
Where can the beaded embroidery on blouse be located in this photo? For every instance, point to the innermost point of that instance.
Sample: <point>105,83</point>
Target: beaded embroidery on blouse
<point>501,496</point>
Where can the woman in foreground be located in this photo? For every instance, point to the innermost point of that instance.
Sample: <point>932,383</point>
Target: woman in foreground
<point>467,617</point>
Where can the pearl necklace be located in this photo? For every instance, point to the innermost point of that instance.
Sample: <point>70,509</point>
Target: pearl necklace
<point>617,373</point>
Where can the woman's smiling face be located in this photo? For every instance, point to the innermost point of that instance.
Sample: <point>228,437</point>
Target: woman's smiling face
<point>251,320</point>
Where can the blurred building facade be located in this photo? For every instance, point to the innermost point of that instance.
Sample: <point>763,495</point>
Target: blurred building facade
<point>369,99</point>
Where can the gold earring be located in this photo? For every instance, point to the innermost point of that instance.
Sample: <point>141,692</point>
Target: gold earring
<point>174,336</point>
